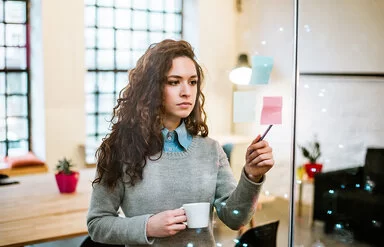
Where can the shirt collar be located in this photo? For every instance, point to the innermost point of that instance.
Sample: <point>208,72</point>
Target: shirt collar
<point>182,136</point>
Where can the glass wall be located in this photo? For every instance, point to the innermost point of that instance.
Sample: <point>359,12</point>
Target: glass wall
<point>340,90</point>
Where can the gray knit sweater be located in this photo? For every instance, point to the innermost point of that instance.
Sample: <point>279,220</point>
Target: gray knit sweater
<point>199,174</point>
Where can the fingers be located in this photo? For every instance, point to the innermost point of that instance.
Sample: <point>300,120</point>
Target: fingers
<point>179,219</point>
<point>262,153</point>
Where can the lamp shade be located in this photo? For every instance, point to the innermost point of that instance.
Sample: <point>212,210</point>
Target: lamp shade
<point>241,74</point>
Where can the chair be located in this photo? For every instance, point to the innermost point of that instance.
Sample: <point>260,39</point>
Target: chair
<point>88,242</point>
<point>264,235</point>
<point>228,150</point>
<point>353,197</point>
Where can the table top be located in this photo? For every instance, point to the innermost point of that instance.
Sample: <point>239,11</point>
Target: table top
<point>35,211</point>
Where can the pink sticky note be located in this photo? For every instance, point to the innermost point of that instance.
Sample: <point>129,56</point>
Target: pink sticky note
<point>271,112</point>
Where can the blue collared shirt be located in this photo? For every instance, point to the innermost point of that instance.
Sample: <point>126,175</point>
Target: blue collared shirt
<point>177,140</point>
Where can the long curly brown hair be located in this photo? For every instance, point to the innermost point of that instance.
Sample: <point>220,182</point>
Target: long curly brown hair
<point>137,117</point>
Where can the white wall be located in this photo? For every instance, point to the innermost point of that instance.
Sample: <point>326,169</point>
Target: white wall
<point>59,127</point>
<point>341,36</point>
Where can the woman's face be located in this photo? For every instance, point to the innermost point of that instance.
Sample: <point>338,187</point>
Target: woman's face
<point>180,91</point>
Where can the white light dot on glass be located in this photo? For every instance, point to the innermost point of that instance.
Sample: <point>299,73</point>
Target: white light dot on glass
<point>263,42</point>
<point>306,26</point>
<point>323,110</point>
<point>265,65</point>
<point>341,146</point>
<point>306,86</point>
<point>189,245</point>
<point>321,95</point>
<point>235,212</point>
<point>236,240</point>
<point>285,195</point>
<point>219,245</point>
<point>266,193</point>
<point>281,29</point>
<point>308,30</point>
<point>223,204</point>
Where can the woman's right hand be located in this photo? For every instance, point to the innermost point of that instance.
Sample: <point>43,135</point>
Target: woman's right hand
<point>166,223</point>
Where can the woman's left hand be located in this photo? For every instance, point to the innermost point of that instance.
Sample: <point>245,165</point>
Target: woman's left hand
<point>258,159</point>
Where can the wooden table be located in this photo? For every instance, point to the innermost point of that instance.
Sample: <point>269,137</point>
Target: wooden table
<point>34,211</point>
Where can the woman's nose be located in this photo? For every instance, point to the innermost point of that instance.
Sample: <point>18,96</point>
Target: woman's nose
<point>185,89</point>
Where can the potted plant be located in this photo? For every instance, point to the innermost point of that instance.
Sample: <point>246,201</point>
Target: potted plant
<point>66,178</point>
<point>312,153</point>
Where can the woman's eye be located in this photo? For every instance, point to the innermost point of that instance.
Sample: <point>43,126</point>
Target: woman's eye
<point>173,83</point>
<point>193,82</point>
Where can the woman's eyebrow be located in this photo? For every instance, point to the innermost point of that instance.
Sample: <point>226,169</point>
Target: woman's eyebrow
<point>180,77</point>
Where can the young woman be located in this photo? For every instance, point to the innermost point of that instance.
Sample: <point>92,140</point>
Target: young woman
<point>158,157</point>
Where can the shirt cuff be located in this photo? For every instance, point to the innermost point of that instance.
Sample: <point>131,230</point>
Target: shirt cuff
<point>148,240</point>
<point>250,181</point>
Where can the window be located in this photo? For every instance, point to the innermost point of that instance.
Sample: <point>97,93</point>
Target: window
<point>117,33</point>
<point>14,78</point>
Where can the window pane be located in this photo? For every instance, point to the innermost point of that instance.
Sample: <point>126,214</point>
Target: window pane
<point>106,82</point>
<point>123,39</point>
<point>123,18</point>
<point>15,12</point>
<point>121,81</point>
<point>157,5</point>
<point>140,20</point>
<point>90,2</point>
<point>174,36</point>
<point>90,38</point>
<point>105,17</point>
<point>123,60</point>
<point>1,11</point>
<point>173,5</point>
<point>106,3</point>
<point>105,59</point>
<point>136,55</point>
<point>2,110</point>
<point>91,124</point>
<point>2,57</point>
<point>16,58</point>
<point>90,59</point>
<point>122,3</point>
<point>105,38</point>
<point>90,82</point>
<point>155,37</point>
<point>106,103</point>
<point>18,148</point>
<point>139,4</point>
<point>91,145</point>
<point>15,35</point>
<point>140,40</point>
<point>156,21</point>
<point>2,34</point>
<point>17,128</point>
<point>90,16</point>
<point>2,150</point>
<point>17,83</point>
<point>90,103</point>
<point>103,124</point>
<point>173,23</point>
<point>17,106</point>
<point>2,84</point>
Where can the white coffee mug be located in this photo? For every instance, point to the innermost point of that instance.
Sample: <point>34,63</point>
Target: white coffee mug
<point>197,214</point>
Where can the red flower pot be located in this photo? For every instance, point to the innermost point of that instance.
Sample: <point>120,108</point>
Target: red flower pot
<point>67,182</point>
<point>312,168</point>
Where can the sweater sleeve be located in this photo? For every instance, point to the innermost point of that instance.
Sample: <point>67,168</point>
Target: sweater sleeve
<point>104,223</point>
<point>235,204</point>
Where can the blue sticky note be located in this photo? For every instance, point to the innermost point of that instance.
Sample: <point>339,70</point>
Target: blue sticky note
<point>261,69</point>
<point>244,107</point>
